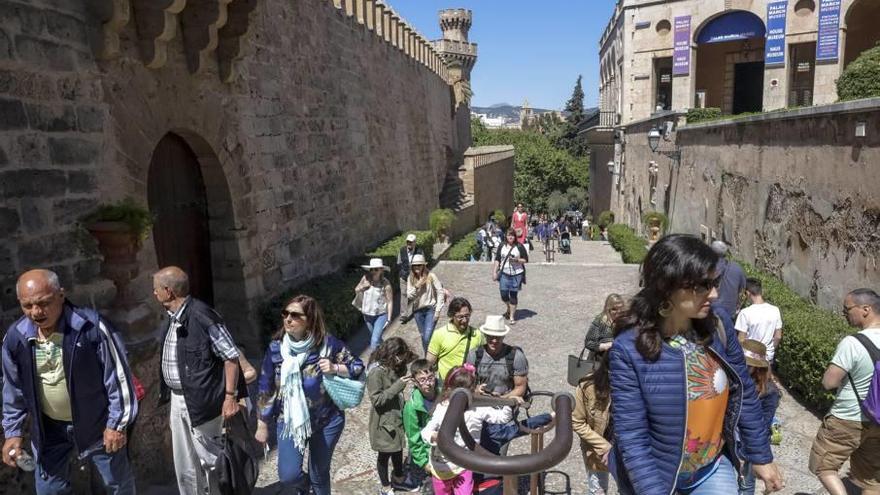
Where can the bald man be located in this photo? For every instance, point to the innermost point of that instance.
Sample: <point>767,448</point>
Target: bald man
<point>85,412</point>
<point>201,378</point>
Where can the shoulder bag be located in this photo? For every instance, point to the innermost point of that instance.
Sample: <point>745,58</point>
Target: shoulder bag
<point>578,367</point>
<point>346,393</point>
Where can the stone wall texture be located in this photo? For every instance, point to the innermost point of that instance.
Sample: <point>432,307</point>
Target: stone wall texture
<point>322,139</point>
<point>793,192</point>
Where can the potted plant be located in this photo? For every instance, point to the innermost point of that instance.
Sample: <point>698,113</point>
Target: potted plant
<point>656,224</point>
<point>441,221</point>
<point>120,229</point>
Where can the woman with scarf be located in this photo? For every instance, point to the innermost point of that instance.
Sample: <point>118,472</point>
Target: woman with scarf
<point>292,392</point>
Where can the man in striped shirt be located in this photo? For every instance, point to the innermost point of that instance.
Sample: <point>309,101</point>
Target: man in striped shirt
<point>86,411</point>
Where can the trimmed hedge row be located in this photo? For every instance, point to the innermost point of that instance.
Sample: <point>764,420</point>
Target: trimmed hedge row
<point>631,247</point>
<point>465,248</point>
<point>809,337</point>
<point>335,291</point>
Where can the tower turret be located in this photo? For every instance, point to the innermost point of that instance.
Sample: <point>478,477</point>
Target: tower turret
<point>455,24</point>
<point>458,53</point>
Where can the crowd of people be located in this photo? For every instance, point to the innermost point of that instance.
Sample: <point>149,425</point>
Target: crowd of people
<point>682,398</point>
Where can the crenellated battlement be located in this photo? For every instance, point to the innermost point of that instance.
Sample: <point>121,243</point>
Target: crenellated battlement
<point>389,26</point>
<point>455,24</point>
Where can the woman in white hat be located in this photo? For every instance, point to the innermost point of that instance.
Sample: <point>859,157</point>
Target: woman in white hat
<point>768,394</point>
<point>374,297</point>
<point>425,293</point>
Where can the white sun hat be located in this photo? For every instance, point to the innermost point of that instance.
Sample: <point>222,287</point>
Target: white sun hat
<point>375,263</point>
<point>495,326</point>
<point>419,259</point>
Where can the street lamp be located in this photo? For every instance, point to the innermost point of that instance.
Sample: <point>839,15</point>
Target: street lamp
<point>611,167</point>
<point>654,136</point>
<point>654,139</point>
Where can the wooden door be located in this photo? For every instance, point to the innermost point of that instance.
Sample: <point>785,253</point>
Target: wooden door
<point>177,199</point>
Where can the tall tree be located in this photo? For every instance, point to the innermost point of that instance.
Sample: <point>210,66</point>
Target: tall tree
<point>568,138</point>
<point>575,105</point>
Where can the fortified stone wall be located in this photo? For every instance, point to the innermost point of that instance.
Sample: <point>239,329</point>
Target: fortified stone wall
<point>320,128</point>
<point>793,192</point>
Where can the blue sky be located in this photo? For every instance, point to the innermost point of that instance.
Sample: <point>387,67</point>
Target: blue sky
<point>531,49</point>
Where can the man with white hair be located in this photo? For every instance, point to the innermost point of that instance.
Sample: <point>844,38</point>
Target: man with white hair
<point>87,411</point>
<point>733,280</point>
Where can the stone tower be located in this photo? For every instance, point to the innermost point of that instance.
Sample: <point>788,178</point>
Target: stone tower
<point>459,54</point>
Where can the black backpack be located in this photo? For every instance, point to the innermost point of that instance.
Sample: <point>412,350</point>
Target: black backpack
<point>509,356</point>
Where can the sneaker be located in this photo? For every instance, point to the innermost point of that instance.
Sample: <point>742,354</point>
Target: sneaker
<point>406,484</point>
<point>386,491</point>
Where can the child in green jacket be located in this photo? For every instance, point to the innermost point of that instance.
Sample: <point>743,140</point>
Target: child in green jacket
<point>417,413</point>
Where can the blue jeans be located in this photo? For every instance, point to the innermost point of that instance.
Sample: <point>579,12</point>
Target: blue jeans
<point>376,324</point>
<point>53,470</point>
<point>747,482</point>
<point>496,436</point>
<point>425,321</point>
<point>321,446</point>
<point>723,480</point>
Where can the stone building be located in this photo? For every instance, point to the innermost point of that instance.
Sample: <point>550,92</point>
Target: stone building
<point>272,141</point>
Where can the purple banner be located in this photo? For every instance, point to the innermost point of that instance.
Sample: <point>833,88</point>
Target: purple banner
<point>681,51</point>
<point>774,51</point>
<point>828,46</point>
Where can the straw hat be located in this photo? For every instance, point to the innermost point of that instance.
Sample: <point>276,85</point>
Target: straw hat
<point>756,354</point>
<point>418,259</point>
<point>495,326</point>
<point>375,263</point>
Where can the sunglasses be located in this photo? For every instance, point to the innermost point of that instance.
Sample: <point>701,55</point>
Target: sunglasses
<point>847,309</point>
<point>706,286</point>
<point>292,314</point>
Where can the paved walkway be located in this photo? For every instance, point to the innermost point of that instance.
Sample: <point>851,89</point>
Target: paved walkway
<point>556,306</point>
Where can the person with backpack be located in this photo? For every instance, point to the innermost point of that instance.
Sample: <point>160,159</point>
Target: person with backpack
<point>502,371</point>
<point>851,430</point>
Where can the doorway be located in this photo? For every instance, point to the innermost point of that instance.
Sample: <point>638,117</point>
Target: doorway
<point>802,73</point>
<point>748,87</point>
<point>663,84</point>
<point>177,199</point>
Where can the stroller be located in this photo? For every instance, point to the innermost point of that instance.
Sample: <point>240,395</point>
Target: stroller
<point>565,243</point>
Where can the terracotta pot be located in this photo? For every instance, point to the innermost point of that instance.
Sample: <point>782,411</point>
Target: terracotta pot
<point>119,245</point>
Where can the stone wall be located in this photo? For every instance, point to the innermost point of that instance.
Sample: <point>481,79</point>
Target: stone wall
<point>320,129</point>
<point>793,192</point>
<point>488,177</point>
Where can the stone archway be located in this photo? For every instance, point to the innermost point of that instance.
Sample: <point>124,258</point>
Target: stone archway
<point>730,62</point>
<point>195,225</point>
<point>861,29</point>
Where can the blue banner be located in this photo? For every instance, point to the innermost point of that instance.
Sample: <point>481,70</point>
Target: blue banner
<point>733,26</point>
<point>828,46</point>
<point>774,49</point>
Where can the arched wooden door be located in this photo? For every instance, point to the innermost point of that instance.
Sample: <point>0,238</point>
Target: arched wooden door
<point>176,193</point>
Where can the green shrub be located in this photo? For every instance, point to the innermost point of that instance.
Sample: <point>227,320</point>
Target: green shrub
<point>441,220</point>
<point>465,248</point>
<point>695,115</point>
<point>389,249</point>
<point>861,78</point>
<point>651,217</point>
<point>127,211</point>
<point>809,337</point>
<point>606,218</point>
<point>631,247</point>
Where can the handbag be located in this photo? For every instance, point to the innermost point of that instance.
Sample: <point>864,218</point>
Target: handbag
<point>346,393</point>
<point>238,465</point>
<point>578,367</point>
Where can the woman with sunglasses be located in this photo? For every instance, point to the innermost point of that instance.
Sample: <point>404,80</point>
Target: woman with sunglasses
<point>292,393</point>
<point>680,386</point>
<point>374,297</point>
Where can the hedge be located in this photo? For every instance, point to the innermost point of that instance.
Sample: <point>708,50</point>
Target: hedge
<point>695,115</point>
<point>389,250</point>
<point>465,248</point>
<point>861,78</point>
<point>605,218</point>
<point>631,247</point>
<point>809,337</point>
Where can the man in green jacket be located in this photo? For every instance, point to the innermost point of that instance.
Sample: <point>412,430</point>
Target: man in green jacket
<point>416,413</point>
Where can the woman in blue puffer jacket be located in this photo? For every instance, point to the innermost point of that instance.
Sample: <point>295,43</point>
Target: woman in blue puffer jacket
<point>679,383</point>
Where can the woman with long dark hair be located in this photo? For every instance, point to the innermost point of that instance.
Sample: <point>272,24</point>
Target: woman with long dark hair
<point>680,387</point>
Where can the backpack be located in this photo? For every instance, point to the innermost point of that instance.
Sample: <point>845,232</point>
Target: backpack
<point>509,356</point>
<point>871,405</point>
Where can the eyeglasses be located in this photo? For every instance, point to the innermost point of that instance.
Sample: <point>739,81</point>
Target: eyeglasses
<point>706,286</point>
<point>466,316</point>
<point>426,379</point>
<point>847,309</point>
<point>285,314</point>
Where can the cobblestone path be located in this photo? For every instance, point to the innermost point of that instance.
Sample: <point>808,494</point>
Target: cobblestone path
<point>556,307</point>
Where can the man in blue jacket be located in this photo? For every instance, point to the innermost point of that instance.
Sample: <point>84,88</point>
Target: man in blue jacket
<point>87,411</point>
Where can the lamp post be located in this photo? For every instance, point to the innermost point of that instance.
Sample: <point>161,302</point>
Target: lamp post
<point>654,136</point>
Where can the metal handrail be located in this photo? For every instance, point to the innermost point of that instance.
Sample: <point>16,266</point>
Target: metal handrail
<point>479,460</point>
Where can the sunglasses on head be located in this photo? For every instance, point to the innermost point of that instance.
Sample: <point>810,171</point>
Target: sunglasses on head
<point>295,314</point>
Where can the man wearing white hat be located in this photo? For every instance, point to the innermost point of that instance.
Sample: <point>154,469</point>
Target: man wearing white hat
<point>502,371</point>
<point>404,260</point>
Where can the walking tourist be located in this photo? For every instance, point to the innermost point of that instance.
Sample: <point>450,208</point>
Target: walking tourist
<point>760,321</point>
<point>201,378</point>
<point>374,297</point>
<point>404,260</point>
<point>416,414</point>
<point>449,478</point>
<point>519,222</point>
<point>386,380</point>
<point>291,389</point>
<point>590,421</point>
<point>451,343</point>
<point>510,272</point>
<point>733,280</point>
<point>585,229</point>
<point>847,432</point>
<point>671,336</point>
<point>426,296</point>
<point>601,332</point>
<point>88,410</point>
<point>759,369</point>
<point>502,371</point>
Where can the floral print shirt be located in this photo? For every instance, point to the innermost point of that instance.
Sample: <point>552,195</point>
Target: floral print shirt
<point>321,407</point>
<point>708,390</point>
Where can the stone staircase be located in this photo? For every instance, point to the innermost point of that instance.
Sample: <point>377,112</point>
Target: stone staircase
<point>453,195</point>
